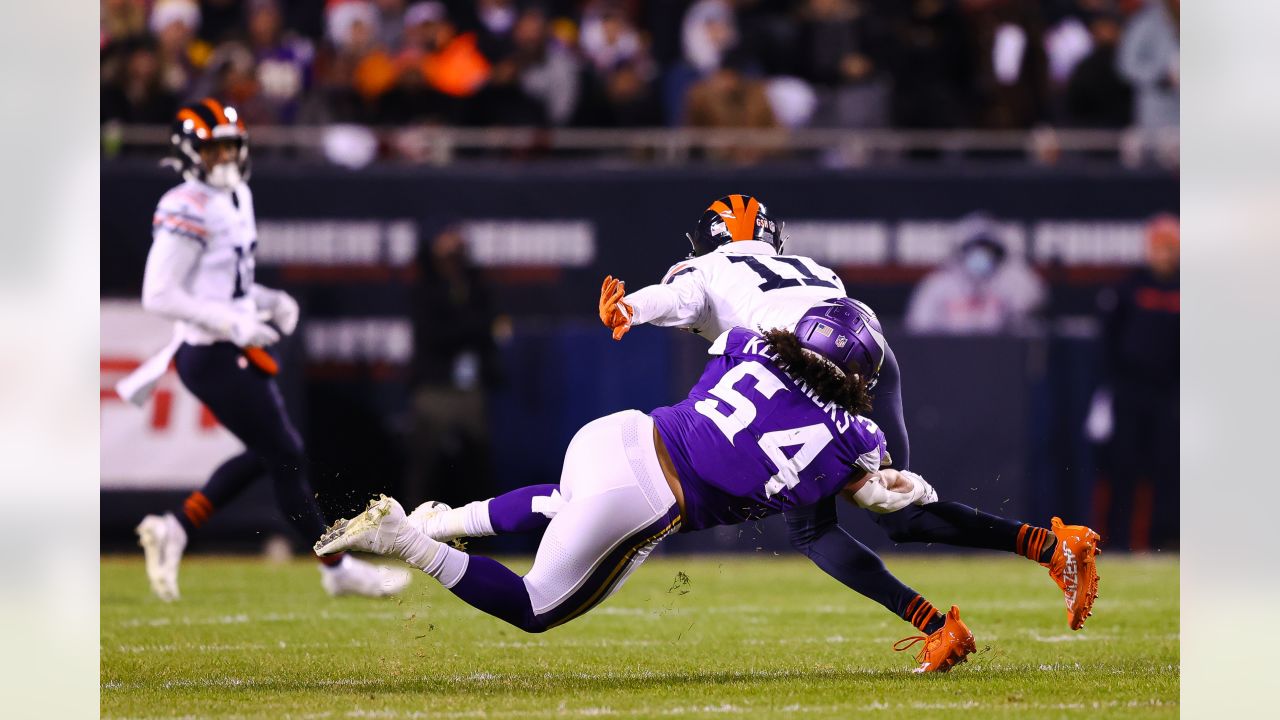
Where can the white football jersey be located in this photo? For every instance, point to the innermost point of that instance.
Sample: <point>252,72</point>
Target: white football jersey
<point>222,223</point>
<point>740,284</point>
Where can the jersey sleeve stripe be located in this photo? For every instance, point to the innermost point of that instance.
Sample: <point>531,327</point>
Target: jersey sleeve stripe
<point>192,219</point>
<point>182,221</point>
<point>676,274</point>
<point>179,232</point>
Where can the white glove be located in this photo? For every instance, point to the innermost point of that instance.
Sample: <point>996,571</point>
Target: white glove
<point>282,308</point>
<point>923,491</point>
<point>248,331</point>
<point>874,496</point>
<point>285,314</point>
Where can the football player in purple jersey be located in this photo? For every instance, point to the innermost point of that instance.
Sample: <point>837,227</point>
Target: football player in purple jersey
<point>738,274</point>
<point>777,421</point>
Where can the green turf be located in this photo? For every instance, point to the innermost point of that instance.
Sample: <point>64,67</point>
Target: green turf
<point>746,637</point>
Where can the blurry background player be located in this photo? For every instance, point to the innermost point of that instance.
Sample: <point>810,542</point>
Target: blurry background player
<point>200,274</point>
<point>738,276</point>
<point>775,422</point>
<point>1136,409</point>
<point>985,289</point>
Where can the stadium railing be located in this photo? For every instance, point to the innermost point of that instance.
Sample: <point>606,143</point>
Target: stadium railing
<point>440,145</point>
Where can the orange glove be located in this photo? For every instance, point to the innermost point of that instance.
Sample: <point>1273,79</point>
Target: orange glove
<point>615,313</point>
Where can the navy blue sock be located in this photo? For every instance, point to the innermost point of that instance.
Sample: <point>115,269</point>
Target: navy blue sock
<point>227,481</point>
<point>953,523</point>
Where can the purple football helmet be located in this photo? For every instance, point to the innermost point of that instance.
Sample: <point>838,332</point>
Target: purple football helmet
<point>847,333</point>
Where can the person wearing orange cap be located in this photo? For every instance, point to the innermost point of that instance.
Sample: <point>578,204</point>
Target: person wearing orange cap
<point>1136,410</point>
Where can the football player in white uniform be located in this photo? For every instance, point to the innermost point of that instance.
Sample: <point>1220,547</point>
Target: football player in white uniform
<point>200,274</point>
<point>737,275</point>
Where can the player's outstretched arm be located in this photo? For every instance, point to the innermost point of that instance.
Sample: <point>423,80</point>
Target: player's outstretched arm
<point>815,532</point>
<point>678,301</point>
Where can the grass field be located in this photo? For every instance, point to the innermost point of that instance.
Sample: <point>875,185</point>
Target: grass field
<point>744,637</point>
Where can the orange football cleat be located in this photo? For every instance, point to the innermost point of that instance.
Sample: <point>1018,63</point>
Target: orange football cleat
<point>615,313</point>
<point>942,650</point>
<point>1073,568</point>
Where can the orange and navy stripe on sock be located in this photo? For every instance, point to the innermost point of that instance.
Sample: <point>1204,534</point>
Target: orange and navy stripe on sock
<point>921,614</point>
<point>1035,543</point>
<point>197,509</point>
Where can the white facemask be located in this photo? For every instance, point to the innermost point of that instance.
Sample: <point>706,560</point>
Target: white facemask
<point>224,175</point>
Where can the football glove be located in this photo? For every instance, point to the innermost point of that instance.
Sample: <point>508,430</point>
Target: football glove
<point>248,331</point>
<point>615,313</point>
<point>282,308</point>
<point>874,496</point>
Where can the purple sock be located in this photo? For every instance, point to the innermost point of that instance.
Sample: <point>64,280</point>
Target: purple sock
<point>519,510</point>
<point>490,587</point>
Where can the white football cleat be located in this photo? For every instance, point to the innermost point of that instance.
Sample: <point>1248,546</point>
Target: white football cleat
<point>357,577</point>
<point>423,513</point>
<point>162,539</point>
<point>375,530</point>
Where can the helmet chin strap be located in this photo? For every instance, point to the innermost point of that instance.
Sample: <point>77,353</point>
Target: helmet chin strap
<point>223,175</point>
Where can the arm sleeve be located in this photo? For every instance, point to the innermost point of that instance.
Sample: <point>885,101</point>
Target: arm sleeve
<point>676,302</point>
<point>170,260</point>
<point>815,532</point>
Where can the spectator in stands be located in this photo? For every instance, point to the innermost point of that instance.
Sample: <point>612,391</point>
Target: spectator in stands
<point>137,95</point>
<point>390,33</point>
<point>549,72</point>
<point>608,38</point>
<point>729,98</point>
<point>452,63</point>
<point>708,33</point>
<point>1011,65</point>
<point>122,20</point>
<point>455,365</point>
<point>351,29</point>
<point>410,99</point>
<point>618,87</point>
<point>1148,58</point>
<point>1097,97</point>
<point>840,52</point>
<point>174,24</point>
<point>495,21</point>
<point>621,97</point>
<point>1136,409</point>
<point>985,289</point>
<point>283,62</point>
<point>535,83</point>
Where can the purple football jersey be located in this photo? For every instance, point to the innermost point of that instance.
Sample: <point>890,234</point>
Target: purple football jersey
<point>750,441</point>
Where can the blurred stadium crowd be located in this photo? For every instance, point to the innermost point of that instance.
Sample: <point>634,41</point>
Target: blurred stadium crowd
<point>907,64</point>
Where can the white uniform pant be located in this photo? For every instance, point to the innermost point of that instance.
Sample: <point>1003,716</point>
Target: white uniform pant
<point>617,508</point>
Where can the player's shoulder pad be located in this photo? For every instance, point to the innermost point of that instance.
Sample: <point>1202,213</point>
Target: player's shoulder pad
<point>739,341</point>
<point>181,211</point>
<point>188,196</point>
<point>682,268</point>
